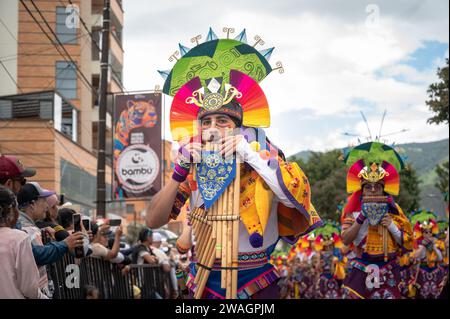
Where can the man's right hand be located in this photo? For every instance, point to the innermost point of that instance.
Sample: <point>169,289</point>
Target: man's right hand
<point>119,231</point>
<point>153,259</point>
<point>74,240</point>
<point>189,152</point>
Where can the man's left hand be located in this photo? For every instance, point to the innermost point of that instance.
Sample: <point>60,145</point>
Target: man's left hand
<point>386,221</point>
<point>229,145</point>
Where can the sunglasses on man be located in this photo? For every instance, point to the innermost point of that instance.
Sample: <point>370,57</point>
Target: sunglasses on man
<point>22,180</point>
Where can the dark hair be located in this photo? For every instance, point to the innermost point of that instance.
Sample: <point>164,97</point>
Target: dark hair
<point>144,234</point>
<point>94,228</point>
<point>88,290</point>
<point>233,110</point>
<point>110,242</point>
<point>7,201</point>
<point>65,217</point>
<point>3,180</point>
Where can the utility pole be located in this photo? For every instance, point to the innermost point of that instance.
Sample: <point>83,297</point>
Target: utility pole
<point>104,64</point>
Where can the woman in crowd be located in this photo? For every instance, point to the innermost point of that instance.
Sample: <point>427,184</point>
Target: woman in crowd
<point>19,275</point>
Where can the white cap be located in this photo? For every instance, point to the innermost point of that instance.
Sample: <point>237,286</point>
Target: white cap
<point>157,237</point>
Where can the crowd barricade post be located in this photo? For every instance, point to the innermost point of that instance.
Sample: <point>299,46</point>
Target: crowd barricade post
<point>108,278</point>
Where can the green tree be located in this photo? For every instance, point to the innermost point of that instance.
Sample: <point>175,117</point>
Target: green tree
<point>329,192</point>
<point>133,232</point>
<point>442,172</point>
<point>409,197</point>
<point>438,97</point>
<point>327,176</point>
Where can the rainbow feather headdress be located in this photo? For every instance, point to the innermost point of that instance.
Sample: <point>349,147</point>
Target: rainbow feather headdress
<point>359,174</point>
<point>214,73</point>
<point>371,162</point>
<point>424,220</point>
<point>329,234</point>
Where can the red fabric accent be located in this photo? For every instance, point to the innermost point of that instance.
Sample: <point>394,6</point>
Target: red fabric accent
<point>353,203</point>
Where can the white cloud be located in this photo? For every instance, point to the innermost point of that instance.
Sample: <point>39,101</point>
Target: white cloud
<point>330,57</point>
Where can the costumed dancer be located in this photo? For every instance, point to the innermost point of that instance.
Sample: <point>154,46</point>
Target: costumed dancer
<point>219,104</point>
<point>307,275</point>
<point>426,275</point>
<point>374,223</point>
<point>332,263</point>
<point>406,264</point>
<point>444,291</point>
<point>443,246</point>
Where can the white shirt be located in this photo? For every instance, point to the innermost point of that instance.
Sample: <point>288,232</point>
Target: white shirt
<point>19,275</point>
<point>162,257</point>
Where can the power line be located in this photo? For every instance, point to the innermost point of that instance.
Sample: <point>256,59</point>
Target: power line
<point>59,42</point>
<point>86,82</point>
<point>69,152</point>
<point>84,25</point>
<point>7,29</point>
<point>11,77</point>
<point>15,56</point>
<point>68,56</point>
<point>49,83</point>
<point>53,80</point>
<point>3,65</point>
<point>93,40</point>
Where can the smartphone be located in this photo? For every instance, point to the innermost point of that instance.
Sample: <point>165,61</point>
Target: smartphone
<point>76,218</point>
<point>86,224</point>
<point>61,199</point>
<point>114,222</point>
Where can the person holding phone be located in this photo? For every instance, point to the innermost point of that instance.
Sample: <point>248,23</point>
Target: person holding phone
<point>33,205</point>
<point>100,243</point>
<point>66,220</point>
<point>50,223</point>
<point>13,176</point>
<point>143,251</point>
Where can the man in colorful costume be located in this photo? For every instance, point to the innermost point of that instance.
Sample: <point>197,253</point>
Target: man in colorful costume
<point>331,263</point>
<point>215,89</point>
<point>375,226</point>
<point>426,275</point>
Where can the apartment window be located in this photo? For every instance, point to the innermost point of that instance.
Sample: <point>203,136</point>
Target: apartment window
<point>66,28</point>
<point>79,184</point>
<point>66,79</point>
<point>6,109</point>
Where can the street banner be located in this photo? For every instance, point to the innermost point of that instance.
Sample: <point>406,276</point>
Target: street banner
<point>137,145</point>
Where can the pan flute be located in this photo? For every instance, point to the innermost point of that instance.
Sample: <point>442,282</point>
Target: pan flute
<point>216,232</point>
<point>375,208</point>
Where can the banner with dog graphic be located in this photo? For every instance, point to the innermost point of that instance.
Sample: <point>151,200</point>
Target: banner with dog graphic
<point>137,145</point>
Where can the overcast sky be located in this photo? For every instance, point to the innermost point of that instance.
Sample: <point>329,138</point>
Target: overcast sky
<point>340,58</point>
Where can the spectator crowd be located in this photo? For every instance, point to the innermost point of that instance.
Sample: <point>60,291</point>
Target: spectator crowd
<point>37,230</point>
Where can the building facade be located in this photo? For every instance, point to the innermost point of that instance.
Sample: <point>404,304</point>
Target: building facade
<point>49,87</point>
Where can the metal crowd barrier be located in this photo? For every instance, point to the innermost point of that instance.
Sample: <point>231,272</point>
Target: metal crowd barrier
<point>107,278</point>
